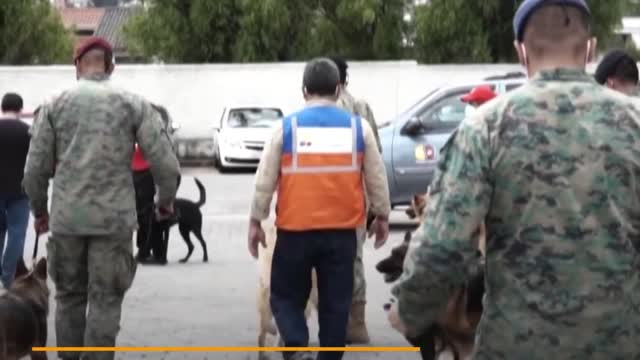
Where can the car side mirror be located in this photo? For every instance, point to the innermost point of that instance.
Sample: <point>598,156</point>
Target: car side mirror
<point>412,127</point>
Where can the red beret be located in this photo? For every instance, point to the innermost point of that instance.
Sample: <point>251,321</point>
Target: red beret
<point>92,43</point>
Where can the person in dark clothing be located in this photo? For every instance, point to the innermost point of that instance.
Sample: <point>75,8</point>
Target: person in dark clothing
<point>14,204</point>
<point>618,71</point>
<point>145,189</point>
<point>151,247</point>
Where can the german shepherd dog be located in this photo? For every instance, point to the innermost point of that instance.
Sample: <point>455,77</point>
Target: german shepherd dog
<point>265,256</point>
<point>188,217</point>
<point>23,313</point>
<point>455,329</point>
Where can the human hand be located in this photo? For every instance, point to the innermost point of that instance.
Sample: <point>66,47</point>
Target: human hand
<point>380,228</point>
<point>256,237</point>
<point>41,224</point>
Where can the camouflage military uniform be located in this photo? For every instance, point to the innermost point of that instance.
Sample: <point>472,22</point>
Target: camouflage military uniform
<point>357,332</point>
<point>551,168</point>
<point>86,137</point>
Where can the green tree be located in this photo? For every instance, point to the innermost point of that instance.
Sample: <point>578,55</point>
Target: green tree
<point>190,31</point>
<point>481,31</point>
<point>31,32</point>
<point>272,30</point>
<point>633,8</point>
<point>448,31</point>
<point>269,30</point>
<point>359,29</point>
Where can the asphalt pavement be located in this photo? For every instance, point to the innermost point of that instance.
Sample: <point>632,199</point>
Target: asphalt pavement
<point>214,304</point>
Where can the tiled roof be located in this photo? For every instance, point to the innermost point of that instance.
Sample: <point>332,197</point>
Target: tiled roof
<point>82,18</point>
<point>111,25</point>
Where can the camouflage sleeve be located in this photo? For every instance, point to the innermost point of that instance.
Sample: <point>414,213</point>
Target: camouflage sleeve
<point>443,254</point>
<point>154,142</point>
<point>40,164</point>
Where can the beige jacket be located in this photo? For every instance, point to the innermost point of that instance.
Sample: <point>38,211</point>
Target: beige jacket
<point>375,176</point>
<point>361,108</point>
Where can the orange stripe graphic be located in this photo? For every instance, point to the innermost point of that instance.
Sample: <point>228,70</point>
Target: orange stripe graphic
<point>223,349</point>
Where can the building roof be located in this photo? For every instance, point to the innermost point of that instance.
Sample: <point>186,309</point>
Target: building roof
<point>82,18</point>
<point>112,23</point>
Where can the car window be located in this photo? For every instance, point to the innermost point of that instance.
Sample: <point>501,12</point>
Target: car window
<point>446,113</point>
<point>254,117</point>
<point>418,103</point>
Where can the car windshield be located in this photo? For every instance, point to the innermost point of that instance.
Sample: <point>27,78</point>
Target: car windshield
<point>254,117</point>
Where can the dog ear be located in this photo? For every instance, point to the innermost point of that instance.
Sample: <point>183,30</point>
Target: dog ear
<point>41,269</point>
<point>21,268</point>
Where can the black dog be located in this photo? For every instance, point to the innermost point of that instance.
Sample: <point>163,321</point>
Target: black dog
<point>446,336</point>
<point>189,219</point>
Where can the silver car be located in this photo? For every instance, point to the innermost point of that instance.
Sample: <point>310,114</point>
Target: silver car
<point>411,142</point>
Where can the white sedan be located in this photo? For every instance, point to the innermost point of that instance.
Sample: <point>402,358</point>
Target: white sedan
<point>240,135</point>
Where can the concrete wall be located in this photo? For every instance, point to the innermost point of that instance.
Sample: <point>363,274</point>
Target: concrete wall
<point>196,94</point>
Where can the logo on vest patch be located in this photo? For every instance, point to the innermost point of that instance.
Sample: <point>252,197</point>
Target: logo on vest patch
<point>324,140</point>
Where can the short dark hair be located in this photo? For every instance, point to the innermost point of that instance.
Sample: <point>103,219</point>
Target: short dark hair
<point>619,65</point>
<point>12,102</point>
<point>627,70</point>
<point>341,63</point>
<point>321,77</point>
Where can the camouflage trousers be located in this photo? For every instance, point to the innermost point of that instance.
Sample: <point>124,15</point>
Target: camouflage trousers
<point>359,283</point>
<point>91,276</point>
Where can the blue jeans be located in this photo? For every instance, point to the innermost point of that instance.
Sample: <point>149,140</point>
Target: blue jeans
<point>331,253</point>
<point>14,219</point>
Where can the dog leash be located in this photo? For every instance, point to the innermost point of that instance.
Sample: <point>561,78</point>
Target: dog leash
<point>35,247</point>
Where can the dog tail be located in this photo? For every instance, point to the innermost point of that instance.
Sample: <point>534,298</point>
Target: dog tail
<point>203,193</point>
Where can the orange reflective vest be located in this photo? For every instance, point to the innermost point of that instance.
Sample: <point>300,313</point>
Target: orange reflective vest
<point>320,184</point>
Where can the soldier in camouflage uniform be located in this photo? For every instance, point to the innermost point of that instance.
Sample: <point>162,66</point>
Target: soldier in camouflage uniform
<point>551,168</point>
<point>357,330</point>
<point>85,136</point>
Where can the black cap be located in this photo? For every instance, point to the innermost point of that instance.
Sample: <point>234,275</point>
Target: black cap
<point>528,7</point>
<point>609,63</point>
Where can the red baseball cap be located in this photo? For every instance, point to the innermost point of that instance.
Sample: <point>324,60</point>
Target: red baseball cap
<point>92,43</point>
<point>480,94</point>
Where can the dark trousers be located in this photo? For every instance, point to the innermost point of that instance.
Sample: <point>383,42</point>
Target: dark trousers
<point>331,253</point>
<point>146,238</point>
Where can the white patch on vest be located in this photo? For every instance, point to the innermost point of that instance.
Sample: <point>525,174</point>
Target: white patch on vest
<point>322,140</point>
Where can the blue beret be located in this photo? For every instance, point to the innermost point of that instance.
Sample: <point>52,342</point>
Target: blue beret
<point>528,7</point>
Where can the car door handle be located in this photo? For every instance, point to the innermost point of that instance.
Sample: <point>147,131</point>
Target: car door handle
<point>401,171</point>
